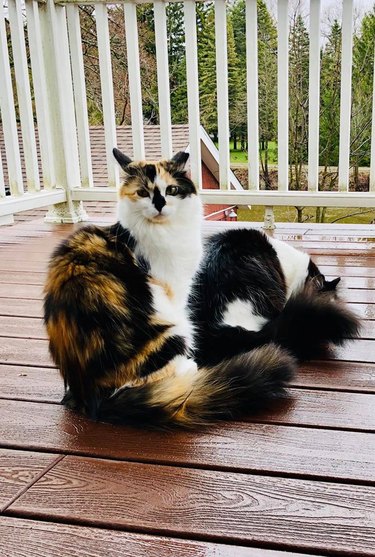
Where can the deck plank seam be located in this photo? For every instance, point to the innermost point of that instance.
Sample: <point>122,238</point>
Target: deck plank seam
<point>192,536</point>
<point>31,483</point>
<point>197,466</point>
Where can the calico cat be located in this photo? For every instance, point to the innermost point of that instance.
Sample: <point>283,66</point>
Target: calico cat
<point>252,289</point>
<point>115,312</point>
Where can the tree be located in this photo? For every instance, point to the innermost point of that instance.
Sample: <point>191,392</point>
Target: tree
<point>177,62</point>
<point>207,67</point>
<point>298,98</point>
<point>330,83</point>
<point>267,56</point>
<point>363,74</point>
<point>267,77</point>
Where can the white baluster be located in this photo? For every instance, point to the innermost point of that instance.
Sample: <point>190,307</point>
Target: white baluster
<point>79,87</point>
<point>252,93</point>
<point>372,161</point>
<point>346,93</point>
<point>222,92</point>
<point>314,96</point>
<point>8,115</point>
<point>193,91</point>
<point>132,48</point>
<point>283,94</point>
<point>161,43</point>
<point>40,94</point>
<point>24,95</point>
<point>106,82</point>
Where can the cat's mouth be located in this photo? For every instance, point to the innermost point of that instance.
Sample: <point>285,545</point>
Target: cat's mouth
<point>159,219</point>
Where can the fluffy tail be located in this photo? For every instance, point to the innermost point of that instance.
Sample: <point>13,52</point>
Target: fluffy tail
<point>309,324</point>
<point>231,389</point>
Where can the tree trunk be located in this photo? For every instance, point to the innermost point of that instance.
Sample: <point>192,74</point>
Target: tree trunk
<point>356,175</point>
<point>235,142</point>
<point>299,213</point>
<point>264,164</point>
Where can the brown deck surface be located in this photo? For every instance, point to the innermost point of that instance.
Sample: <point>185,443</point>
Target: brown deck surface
<point>298,478</point>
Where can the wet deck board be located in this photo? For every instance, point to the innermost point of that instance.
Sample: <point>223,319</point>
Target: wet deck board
<point>215,505</point>
<point>297,477</point>
<point>262,447</point>
<point>40,538</point>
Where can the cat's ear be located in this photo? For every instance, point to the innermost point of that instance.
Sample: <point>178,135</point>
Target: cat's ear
<point>179,160</point>
<point>122,159</point>
<point>331,284</point>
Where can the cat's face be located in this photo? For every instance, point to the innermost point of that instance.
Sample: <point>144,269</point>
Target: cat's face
<point>156,191</point>
<point>318,280</point>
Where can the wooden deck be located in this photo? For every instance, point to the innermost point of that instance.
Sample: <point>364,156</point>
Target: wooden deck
<point>299,478</point>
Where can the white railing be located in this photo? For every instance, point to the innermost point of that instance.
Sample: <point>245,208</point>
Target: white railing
<point>60,106</point>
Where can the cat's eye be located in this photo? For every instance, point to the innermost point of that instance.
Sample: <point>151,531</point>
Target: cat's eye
<point>172,190</point>
<point>143,193</point>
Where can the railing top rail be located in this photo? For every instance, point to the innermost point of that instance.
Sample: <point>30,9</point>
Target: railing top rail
<point>114,2</point>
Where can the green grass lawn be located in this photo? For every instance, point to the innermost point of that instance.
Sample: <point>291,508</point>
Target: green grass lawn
<point>289,214</point>
<point>238,156</point>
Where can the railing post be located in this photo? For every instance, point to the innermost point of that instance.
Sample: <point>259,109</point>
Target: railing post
<point>6,219</point>
<point>61,109</point>
<point>8,115</point>
<point>269,218</point>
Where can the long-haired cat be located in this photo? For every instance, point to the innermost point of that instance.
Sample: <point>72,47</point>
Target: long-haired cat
<point>115,312</point>
<point>251,290</point>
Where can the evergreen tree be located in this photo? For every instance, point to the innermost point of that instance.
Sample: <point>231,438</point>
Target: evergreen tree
<point>330,82</point>
<point>177,62</point>
<point>207,67</point>
<point>363,74</point>
<point>267,77</point>
<point>267,70</point>
<point>298,98</point>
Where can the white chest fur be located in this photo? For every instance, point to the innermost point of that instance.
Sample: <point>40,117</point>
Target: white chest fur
<point>173,248</point>
<point>294,264</point>
<point>174,258</point>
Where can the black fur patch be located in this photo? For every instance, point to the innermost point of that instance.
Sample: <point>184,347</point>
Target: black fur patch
<point>174,346</point>
<point>242,264</point>
<point>187,187</point>
<point>150,171</point>
<point>310,322</point>
<point>238,264</point>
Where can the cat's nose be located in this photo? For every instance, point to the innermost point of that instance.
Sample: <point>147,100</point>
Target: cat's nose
<point>158,200</point>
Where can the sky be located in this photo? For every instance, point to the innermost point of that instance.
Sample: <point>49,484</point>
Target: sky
<point>328,7</point>
<point>330,10</point>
